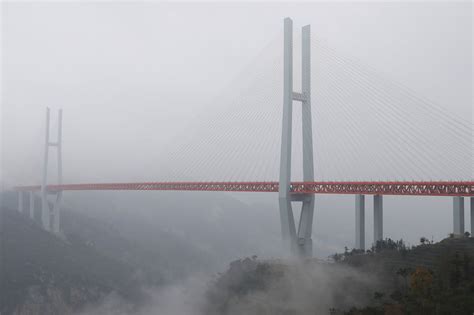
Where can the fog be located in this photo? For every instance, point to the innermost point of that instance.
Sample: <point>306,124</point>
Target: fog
<point>138,82</point>
<point>306,289</point>
<point>158,91</point>
<point>135,78</point>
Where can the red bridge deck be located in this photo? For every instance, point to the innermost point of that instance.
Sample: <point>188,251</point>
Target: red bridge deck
<point>445,188</point>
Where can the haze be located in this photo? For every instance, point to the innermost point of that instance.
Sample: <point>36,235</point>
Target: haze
<point>140,82</point>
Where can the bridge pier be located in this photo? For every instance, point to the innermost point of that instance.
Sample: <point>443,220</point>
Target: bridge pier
<point>472,216</point>
<point>32,205</point>
<point>378,218</point>
<point>458,216</point>
<point>359,222</point>
<point>300,240</point>
<point>20,202</point>
<point>45,214</point>
<point>304,242</point>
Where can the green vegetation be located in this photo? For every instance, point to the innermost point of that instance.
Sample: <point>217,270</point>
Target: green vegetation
<point>429,279</point>
<point>244,278</point>
<point>389,278</point>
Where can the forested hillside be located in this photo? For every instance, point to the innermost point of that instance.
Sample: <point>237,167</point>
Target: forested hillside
<point>390,278</point>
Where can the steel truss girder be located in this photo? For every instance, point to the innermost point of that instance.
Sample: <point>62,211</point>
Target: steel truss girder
<point>444,188</point>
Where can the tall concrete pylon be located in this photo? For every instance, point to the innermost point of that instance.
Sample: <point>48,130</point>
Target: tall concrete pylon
<point>50,217</point>
<point>300,240</point>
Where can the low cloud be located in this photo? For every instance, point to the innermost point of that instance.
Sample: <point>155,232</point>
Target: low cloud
<point>182,298</point>
<point>294,287</point>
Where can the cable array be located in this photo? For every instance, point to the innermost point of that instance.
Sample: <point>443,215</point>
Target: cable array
<point>384,129</point>
<point>366,127</point>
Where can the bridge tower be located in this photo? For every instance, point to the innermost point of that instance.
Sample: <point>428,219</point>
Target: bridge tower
<point>50,216</point>
<point>299,240</point>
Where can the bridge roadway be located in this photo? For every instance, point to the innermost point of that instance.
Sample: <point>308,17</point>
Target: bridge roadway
<point>401,188</point>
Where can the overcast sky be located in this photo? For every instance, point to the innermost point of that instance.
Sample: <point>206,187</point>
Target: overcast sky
<point>154,91</point>
<point>131,77</point>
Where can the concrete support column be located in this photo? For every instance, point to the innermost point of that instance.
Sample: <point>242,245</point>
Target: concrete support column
<point>55,223</point>
<point>20,201</point>
<point>472,216</point>
<point>299,240</point>
<point>458,216</point>
<point>378,218</point>
<point>305,228</point>
<point>288,229</point>
<point>32,205</point>
<point>45,211</point>
<point>57,204</point>
<point>359,222</point>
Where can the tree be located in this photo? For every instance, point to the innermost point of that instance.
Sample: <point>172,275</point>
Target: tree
<point>421,281</point>
<point>337,257</point>
<point>421,287</point>
<point>404,273</point>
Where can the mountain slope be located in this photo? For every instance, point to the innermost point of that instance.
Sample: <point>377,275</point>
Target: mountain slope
<point>43,274</point>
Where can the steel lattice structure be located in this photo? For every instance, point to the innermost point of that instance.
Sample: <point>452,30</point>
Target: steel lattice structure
<point>355,188</point>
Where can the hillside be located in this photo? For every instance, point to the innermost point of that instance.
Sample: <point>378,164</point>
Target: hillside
<point>392,257</point>
<point>389,279</point>
<point>93,258</point>
<point>158,256</point>
<point>43,274</point>
<point>107,247</point>
<point>102,252</point>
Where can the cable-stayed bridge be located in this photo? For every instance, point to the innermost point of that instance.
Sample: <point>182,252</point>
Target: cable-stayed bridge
<point>423,141</point>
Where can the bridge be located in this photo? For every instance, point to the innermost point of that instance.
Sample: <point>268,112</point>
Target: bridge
<point>460,189</point>
<point>298,237</point>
